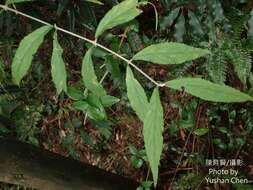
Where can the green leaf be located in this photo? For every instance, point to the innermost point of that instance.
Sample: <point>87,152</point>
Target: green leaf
<point>96,2</point>
<point>168,20</point>
<point>119,14</point>
<point>97,52</point>
<point>8,2</point>
<point>194,23</point>
<point>209,91</point>
<point>89,76</point>
<point>146,184</point>
<point>201,131</point>
<point>24,55</point>
<point>95,112</point>
<point>170,53</point>
<point>180,29</point>
<point>81,105</point>
<point>152,132</point>
<point>112,65</point>
<point>136,162</point>
<point>75,94</point>
<point>108,101</point>
<point>136,95</point>
<point>58,70</point>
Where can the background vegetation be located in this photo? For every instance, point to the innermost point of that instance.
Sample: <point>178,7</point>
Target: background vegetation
<point>111,137</point>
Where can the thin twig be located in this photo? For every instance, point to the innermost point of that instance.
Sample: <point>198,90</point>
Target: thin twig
<point>94,42</point>
<point>103,77</point>
<point>156,14</point>
<point>25,15</point>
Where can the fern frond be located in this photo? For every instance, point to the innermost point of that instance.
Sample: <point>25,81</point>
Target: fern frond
<point>238,21</point>
<point>236,47</point>
<point>241,60</point>
<point>217,66</point>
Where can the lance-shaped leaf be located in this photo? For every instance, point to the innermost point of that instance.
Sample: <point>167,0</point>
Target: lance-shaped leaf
<point>152,132</point>
<point>24,54</point>
<point>119,14</point>
<point>136,95</point>
<point>209,91</point>
<point>89,76</point>
<point>58,70</point>
<point>170,53</point>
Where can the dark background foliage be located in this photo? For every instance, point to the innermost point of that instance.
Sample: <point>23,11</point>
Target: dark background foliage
<point>33,113</point>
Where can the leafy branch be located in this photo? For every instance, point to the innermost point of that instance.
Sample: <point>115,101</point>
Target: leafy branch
<point>94,42</point>
<point>150,111</point>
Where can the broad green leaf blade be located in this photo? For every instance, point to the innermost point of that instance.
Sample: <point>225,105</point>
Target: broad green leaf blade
<point>136,95</point>
<point>89,76</point>
<point>58,70</point>
<point>24,54</point>
<point>152,132</point>
<point>209,91</point>
<point>170,53</point>
<point>119,14</point>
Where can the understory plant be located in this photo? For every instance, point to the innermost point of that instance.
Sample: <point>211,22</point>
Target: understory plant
<point>93,100</point>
